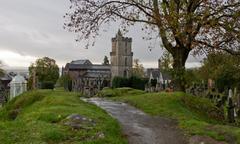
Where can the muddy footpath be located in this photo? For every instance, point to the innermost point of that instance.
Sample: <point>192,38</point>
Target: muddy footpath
<point>140,128</point>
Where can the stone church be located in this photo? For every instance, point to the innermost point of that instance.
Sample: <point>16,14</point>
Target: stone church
<point>121,56</point>
<point>89,78</point>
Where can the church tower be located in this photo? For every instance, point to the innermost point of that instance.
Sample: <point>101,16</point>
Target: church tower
<point>121,56</point>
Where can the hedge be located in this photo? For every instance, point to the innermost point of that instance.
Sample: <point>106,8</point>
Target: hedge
<point>133,82</point>
<point>47,85</point>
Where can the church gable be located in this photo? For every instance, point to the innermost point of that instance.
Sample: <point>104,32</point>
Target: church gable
<point>82,62</point>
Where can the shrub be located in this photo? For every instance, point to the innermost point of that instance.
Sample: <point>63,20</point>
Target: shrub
<point>137,82</point>
<point>118,82</point>
<point>47,85</point>
<point>133,82</point>
<point>66,82</point>
<point>30,83</point>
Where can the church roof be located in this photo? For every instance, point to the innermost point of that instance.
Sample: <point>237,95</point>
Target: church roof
<point>71,66</point>
<point>83,62</point>
<point>86,65</point>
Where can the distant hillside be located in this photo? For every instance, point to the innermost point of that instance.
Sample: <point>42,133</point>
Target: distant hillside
<point>16,69</point>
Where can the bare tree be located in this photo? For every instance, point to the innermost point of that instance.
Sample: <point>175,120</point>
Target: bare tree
<point>166,61</point>
<point>138,69</point>
<point>182,25</point>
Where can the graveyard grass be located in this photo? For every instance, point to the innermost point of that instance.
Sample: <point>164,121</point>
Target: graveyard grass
<point>36,117</point>
<point>192,121</point>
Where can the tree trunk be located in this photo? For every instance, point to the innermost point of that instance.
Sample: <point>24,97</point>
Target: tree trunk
<point>180,56</point>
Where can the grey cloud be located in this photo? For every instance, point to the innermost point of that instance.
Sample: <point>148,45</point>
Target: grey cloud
<point>34,28</point>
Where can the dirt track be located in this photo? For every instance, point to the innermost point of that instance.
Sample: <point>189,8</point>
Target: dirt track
<point>139,127</point>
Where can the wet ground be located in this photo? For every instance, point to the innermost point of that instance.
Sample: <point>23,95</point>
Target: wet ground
<point>139,127</point>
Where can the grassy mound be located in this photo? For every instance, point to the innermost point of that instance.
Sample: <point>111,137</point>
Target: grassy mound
<point>192,113</point>
<point>109,92</point>
<point>37,117</point>
<point>15,106</point>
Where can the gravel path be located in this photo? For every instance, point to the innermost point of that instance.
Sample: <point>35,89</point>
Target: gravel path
<point>139,127</point>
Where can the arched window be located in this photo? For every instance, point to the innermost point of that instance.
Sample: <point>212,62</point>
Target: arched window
<point>126,61</point>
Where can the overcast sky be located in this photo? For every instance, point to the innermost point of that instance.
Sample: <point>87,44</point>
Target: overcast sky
<point>31,29</point>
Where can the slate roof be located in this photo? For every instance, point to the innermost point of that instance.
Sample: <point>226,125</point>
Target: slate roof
<point>150,70</point>
<point>155,74</point>
<point>87,67</point>
<point>83,62</point>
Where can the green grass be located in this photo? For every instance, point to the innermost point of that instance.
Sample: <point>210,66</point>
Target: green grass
<point>109,92</point>
<point>193,120</point>
<point>37,117</point>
